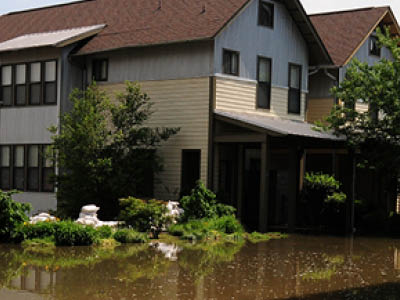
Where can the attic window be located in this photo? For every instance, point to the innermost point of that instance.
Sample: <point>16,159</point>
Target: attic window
<point>100,70</point>
<point>266,14</point>
<point>231,62</point>
<point>374,49</point>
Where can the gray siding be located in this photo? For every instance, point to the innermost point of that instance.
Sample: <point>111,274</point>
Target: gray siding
<point>284,44</point>
<point>41,202</point>
<point>177,61</point>
<point>321,84</point>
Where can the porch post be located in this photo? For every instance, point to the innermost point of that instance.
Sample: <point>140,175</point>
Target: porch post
<point>240,182</point>
<point>264,184</point>
<point>293,187</point>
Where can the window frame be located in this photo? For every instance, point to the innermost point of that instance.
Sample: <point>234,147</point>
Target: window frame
<point>229,51</point>
<point>10,160</point>
<point>292,89</point>
<point>28,84</point>
<point>16,85</point>
<point>99,61</point>
<point>269,84</point>
<point>272,22</point>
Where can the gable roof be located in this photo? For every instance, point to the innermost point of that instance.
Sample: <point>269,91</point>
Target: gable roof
<point>344,32</point>
<point>133,23</point>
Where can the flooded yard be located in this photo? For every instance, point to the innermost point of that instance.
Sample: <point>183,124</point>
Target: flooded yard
<point>300,267</point>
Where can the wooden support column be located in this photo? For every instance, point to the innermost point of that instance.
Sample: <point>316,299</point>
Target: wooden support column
<point>215,177</point>
<point>240,181</point>
<point>264,185</point>
<point>293,187</point>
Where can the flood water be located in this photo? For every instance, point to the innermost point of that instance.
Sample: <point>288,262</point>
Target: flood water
<point>300,267</point>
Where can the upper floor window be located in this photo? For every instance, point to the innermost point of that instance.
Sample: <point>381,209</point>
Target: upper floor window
<point>100,70</point>
<point>374,49</point>
<point>231,62</point>
<point>266,14</point>
<point>29,84</point>
<point>294,101</point>
<point>264,83</point>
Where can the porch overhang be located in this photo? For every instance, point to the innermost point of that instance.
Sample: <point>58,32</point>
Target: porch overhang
<point>275,126</point>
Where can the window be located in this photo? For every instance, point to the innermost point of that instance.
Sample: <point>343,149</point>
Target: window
<point>50,82</point>
<point>294,89</point>
<point>35,86</point>
<point>6,85</point>
<point>231,62</point>
<point>374,49</point>
<point>100,70</point>
<point>5,164</point>
<point>19,168</point>
<point>29,84</point>
<point>47,173</point>
<point>266,14</point>
<point>33,167</point>
<point>264,83</point>
<point>190,170</point>
<point>25,168</point>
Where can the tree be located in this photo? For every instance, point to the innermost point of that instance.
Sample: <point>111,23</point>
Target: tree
<point>373,135</point>
<point>105,151</point>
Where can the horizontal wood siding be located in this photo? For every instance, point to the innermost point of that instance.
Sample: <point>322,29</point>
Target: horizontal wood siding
<point>177,103</point>
<point>241,96</point>
<point>362,107</point>
<point>318,109</point>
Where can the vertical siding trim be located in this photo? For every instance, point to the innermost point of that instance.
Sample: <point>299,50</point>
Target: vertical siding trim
<point>210,167</point>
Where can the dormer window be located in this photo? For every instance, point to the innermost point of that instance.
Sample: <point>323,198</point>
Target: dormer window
<point>266,14</point>
<point>374,49</point>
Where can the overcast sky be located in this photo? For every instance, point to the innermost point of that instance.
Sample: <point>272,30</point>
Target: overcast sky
<point>312,6</point>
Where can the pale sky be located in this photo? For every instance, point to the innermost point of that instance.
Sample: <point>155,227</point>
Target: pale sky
<point>311,6</point>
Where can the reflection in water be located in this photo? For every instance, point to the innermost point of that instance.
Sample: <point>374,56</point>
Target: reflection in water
<point>300,267</point>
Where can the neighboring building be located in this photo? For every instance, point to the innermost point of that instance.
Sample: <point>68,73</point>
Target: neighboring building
<point>233,77</point>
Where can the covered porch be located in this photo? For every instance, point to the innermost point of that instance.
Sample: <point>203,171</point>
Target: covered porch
<point>259,162</point>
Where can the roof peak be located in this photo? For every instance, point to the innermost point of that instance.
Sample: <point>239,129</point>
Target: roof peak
<point>351,10</point>
<point>44,7</point>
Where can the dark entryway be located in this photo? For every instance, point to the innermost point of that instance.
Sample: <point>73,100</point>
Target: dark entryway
<point>190,170</point>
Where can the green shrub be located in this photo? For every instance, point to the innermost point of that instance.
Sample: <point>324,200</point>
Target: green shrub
<point>71,234</point>
<point>129,236</point>
<point>176,229</point>
<point>12,216</point>
<point>144,216</point>
<point>227,224</point>
<point>224,210</point>
<point>105,232</point>
<point>39,230</point>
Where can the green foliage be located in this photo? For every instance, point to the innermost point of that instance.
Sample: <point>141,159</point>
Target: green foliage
<point>144,216</point>
<point>105,150</point>
<point>129,236</point>
<point>202,203</point>
<point>257,237</point>
<point>227,224</point>
<point>323,187</point>
<point>71,234</point>
<point>105,232</point>
<point>40,246</point>
<point>39,230</point>
<point>12,216</point>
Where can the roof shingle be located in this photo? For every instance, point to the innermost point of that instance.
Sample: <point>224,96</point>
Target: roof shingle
<point>342,32</point>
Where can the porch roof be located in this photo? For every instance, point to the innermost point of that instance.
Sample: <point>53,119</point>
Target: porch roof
<point>276,126</point>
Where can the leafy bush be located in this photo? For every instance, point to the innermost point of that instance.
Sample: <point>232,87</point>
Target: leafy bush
<point>202,203</point>
<point>129,236</point>
<point>68,233</point>
<point>105,232</point>
<point>39,230</point>
<point>12,216</point>
<point>227,224</point>
<point>144,216</point>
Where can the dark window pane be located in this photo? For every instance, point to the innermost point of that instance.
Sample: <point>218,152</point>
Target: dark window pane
<point>231,62</point>
<point>33,179</point>
<point>100,70</point>
<point>6,96</point>
<point>19,179</point>
<point>5,178</point>
<point>190,170</point>
<point>50,93</point>
<point>264,95</point>
<point>374,48</point>
<point>266,14</point>
<point>35,94</point>
<point>294,101</point>
<point>20,98</point>
<point>47,181</point>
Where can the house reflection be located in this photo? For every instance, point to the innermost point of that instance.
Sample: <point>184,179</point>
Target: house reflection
<point>35,279</point>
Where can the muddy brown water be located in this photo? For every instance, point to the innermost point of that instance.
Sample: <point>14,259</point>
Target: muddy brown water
<point>300,267</point>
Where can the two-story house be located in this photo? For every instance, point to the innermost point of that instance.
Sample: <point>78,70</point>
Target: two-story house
<point>233,75</point>
<point>348,35</point>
